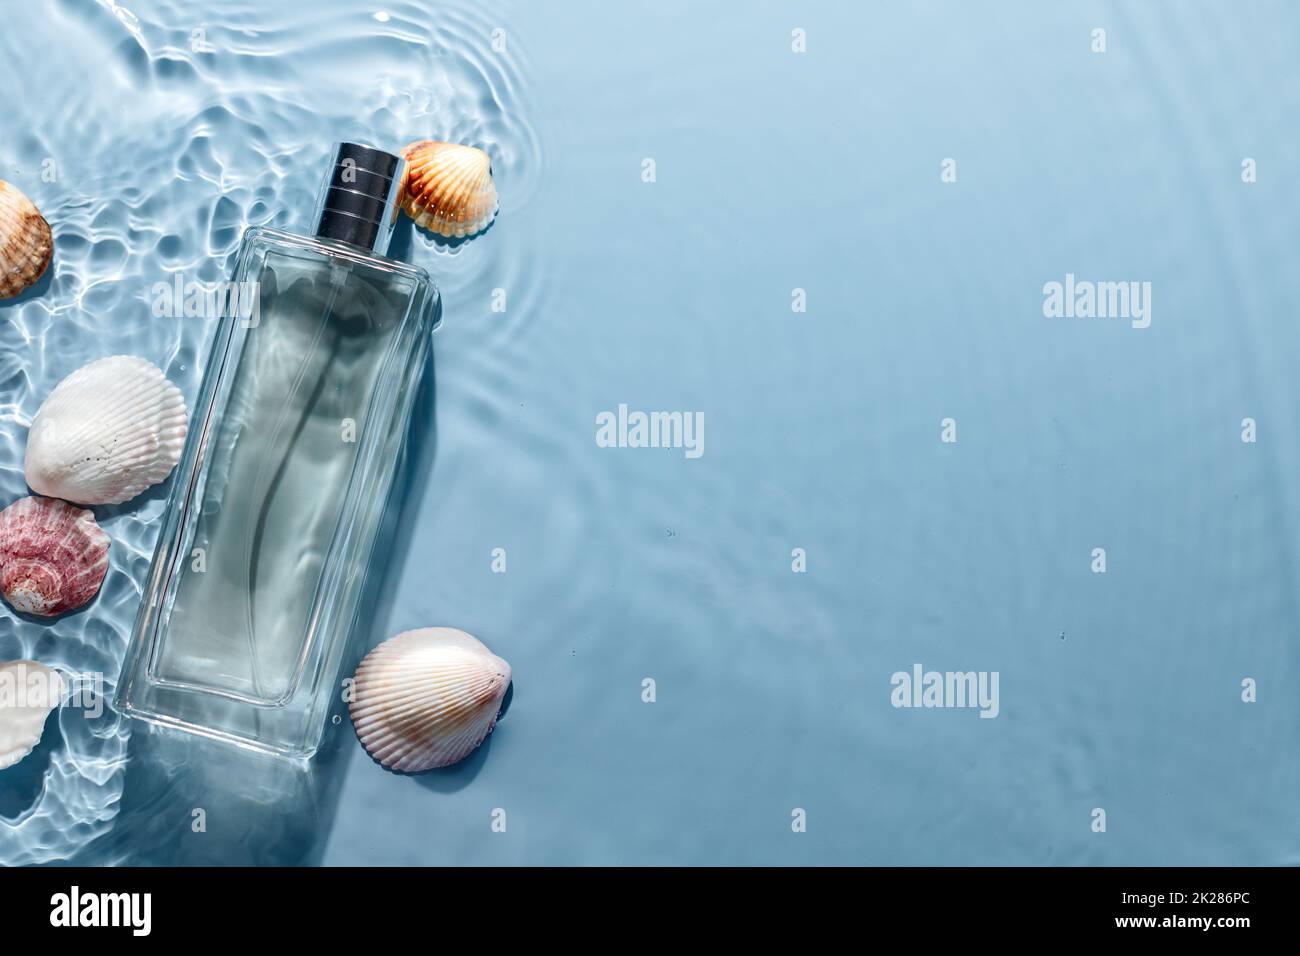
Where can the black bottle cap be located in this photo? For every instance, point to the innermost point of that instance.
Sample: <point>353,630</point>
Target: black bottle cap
<point>358,201</point>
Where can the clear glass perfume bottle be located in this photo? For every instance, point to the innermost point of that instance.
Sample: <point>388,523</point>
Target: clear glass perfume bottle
<point>293,446</point>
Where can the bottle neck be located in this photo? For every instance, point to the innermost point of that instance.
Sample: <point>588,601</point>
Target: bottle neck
<point>359,198</point>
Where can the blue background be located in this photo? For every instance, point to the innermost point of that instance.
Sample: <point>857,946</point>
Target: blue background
<point>775,170</point>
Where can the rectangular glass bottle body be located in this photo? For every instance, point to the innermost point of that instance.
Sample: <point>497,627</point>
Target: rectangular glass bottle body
<point>277,501</point>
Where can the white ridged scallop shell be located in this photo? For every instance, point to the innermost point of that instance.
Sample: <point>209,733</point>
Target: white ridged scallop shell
<point>427,698</point>
<point>448,188</point>
<point>28,692</point>
<point>26,244</point>
<point>53,556</point>
<point>106,433</point>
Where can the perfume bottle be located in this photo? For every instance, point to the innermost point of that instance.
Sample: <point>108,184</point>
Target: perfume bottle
<point>293,446</point>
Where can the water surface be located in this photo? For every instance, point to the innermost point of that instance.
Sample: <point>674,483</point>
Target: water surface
<point>171,127</point>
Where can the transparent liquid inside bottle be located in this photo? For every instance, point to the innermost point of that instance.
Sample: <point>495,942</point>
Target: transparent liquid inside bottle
<point>295,443</point>
<point>282,457</point>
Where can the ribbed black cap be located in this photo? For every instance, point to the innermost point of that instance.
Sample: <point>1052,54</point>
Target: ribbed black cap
<point>358,198</point>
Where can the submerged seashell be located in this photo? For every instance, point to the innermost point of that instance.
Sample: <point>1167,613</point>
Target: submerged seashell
<point>26,244</point>
<point>427,698</point>
<point>53,556</point>
<point>106,433</point>
<point>448,188</point>
<point>28,692</point>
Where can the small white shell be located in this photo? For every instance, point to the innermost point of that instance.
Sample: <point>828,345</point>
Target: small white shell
<point>106,433</point>
<point>427,698</point>
<point>448,188</point>
<point>26,243</point>
<point>28,692</point>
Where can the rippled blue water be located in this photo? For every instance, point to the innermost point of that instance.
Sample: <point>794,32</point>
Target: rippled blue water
<point>172,126</point>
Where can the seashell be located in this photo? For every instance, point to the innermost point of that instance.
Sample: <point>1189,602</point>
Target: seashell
<point>427,698</point>
<point>52,556</point>
<point>106,433</point>
<point>28,692</point>
<point>26,244</point>
<point>448,188</point>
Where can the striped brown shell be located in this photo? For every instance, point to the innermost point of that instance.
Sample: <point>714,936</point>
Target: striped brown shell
<point>448,188</point>
<point>26,244</point>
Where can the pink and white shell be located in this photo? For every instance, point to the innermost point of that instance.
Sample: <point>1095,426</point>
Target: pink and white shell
<point>53,556</point>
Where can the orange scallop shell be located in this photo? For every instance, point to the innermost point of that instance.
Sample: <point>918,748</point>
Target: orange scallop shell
<point>448,188</point>
<point>26,244</point>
